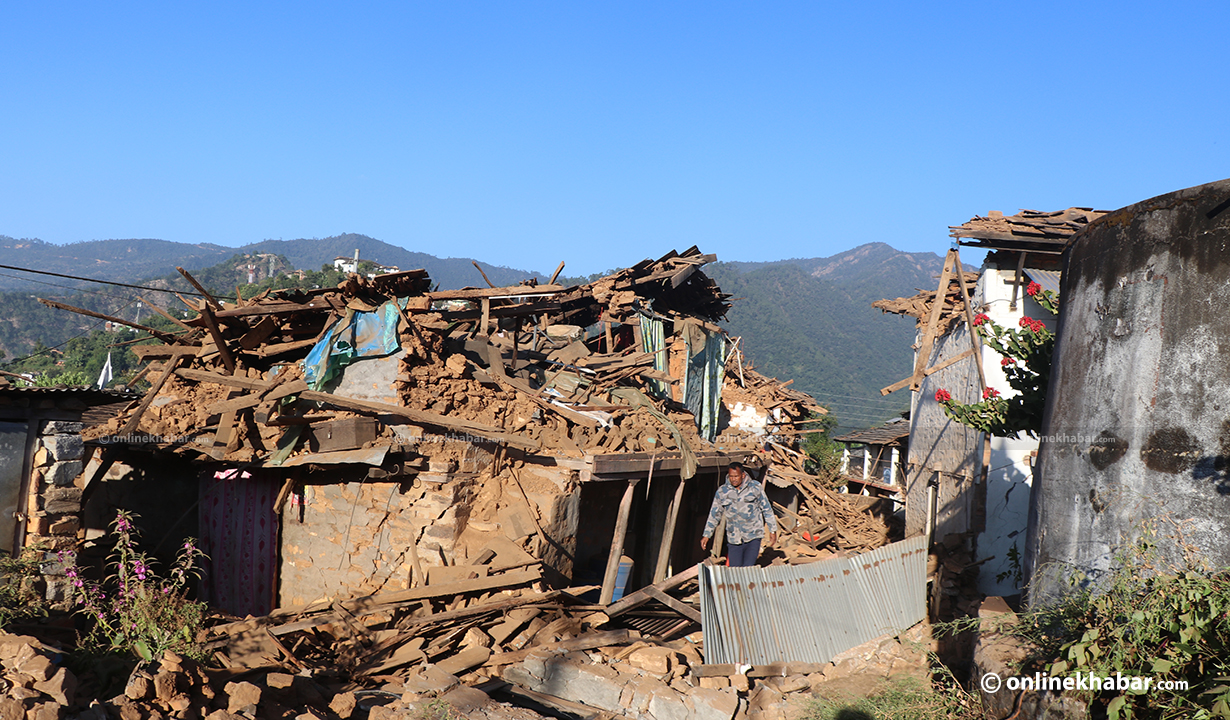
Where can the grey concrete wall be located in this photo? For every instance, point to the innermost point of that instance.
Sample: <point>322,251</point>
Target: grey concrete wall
<point>1137,427</point>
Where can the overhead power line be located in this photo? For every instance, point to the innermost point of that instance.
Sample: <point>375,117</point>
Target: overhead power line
<point>109,282</point>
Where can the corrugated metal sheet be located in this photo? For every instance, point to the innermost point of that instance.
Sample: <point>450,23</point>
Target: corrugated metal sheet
<point>810,613</point>
<point>1048,279</point>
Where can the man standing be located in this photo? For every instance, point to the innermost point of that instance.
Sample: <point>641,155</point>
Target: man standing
<point>742,502</point>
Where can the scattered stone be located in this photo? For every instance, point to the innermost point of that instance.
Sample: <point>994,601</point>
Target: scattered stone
<point>343,704</point>
<point>240,695</point>
<point>279,681</point>
<point>61,687</point>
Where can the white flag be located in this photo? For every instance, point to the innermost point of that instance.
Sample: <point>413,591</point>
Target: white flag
<point>104,377</point>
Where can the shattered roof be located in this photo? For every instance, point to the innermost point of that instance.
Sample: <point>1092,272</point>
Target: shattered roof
<point>1029,230</point>
<point>574,372</point>
<point>919,306</point>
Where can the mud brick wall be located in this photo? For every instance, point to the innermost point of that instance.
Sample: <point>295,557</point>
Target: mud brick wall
<point>340,540</point>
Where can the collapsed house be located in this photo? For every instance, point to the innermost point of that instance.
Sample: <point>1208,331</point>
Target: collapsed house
<point>397,469</point>
<point>960,482</point>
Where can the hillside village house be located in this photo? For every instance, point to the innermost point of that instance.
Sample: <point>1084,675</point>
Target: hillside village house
<point>957,480</point>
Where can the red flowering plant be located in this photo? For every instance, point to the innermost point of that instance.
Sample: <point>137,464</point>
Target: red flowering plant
<point>135,609</point>
<point>1026,362</point>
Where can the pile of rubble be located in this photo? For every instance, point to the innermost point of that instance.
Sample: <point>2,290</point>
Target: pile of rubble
<point>535,367</point>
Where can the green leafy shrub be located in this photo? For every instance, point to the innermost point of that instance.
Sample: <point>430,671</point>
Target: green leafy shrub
<point>134,610</point>
<point>1144,620</point>
<point>20,599</point>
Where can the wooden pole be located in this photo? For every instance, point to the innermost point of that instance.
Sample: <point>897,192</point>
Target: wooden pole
<point>1016,284</point>
<point>668,534</point>
<point>617,544</point>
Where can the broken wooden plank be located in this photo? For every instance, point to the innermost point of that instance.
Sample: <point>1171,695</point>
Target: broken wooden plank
<point>256,398</point>
<point>368,603</point>
<point>555,275</point>
<point>640,597</point>
<point>668,533</point>
<point>167,315</point>
<point>937,309</point>
<point>588,641</point>
<point>135,418</point>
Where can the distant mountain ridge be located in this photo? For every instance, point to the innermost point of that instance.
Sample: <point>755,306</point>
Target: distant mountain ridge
<point>806,319</point>
<point>133,260</point>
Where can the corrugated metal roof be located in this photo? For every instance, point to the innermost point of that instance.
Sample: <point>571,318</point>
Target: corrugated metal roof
<point>86,394</point>
<point>1048,279</point>
<point>884,435</point>
<point>810,613</point>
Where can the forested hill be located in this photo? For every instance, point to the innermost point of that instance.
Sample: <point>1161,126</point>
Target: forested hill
<point>811,319</point>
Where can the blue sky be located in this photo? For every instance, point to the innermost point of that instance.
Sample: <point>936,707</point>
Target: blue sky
<point>599,133</point>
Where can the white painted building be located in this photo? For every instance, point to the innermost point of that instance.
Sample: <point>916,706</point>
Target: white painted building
<point>959,481</point>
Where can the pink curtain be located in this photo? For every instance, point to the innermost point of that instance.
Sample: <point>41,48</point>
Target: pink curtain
<point>239,533</point>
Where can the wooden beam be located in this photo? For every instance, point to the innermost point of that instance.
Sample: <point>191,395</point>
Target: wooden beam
<point>256,398</point>
<point>642,596</point>
<point>367,603</point>
<point>210,299</point>
<point>928,339</point>
<point>555,275</point>
<point>163,336</point>
<point>167,315</point>
<point>974,343</point>
<point>929,371</point>
<point>617,544</point>
<point>212,323</point>
<point>135,418</point>
<point>668,533</point>
<point>510,291</point>
<point>588,641</point>
<point>1016,283</point>
<point>480,272</point>
<point>680,607</point>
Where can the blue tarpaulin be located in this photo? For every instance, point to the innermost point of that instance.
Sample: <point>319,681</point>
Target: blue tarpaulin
<point>356,336</point>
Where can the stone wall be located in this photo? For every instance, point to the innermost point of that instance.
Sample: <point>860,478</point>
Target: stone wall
<point>53,517</point>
